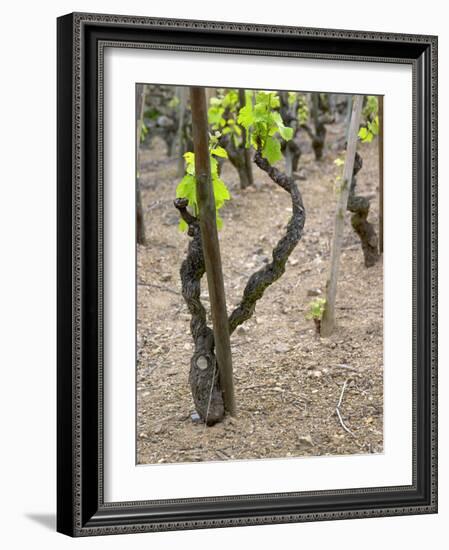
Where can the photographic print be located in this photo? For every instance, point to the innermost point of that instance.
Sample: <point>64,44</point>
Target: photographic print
<point>259,274</point>
<point>247,274</point>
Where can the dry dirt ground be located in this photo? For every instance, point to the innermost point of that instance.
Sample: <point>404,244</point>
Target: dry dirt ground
<point>288,381</point>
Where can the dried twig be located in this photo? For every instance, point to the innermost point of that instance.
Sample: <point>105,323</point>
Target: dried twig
<point>159,287</point>
<point>221,454</point>
<point>346,367</point>
<point>343,425</point>
<point>337,410</point>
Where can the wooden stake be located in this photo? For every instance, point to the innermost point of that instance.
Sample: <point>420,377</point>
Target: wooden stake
<point>178,145</point>
<point>211,248</point>
<point>328,320</point>
<point>380,145</point>
<point>246,152</point>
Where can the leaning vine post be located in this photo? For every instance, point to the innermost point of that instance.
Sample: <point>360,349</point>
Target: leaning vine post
<point>211,249</point>
<point>328,320</point>
<point>380,144</point>
<point>246,151</point>
<point>178,146</point>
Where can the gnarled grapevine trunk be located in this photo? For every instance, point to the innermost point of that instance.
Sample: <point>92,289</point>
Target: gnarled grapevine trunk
<point>359,206</point>
<point>321,116</point>
<point>292,154</point>
<point>204,373</point>
<point>271,272</point>
<point>237,155</point>
<point>290,149</point>
<point>140,219</point>
<point>204,376</point>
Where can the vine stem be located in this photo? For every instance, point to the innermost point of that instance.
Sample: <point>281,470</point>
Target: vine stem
<point>267,275</point>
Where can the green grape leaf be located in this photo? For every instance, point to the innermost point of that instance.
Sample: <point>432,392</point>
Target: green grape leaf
<point>221,192</point>
<point>268,99</point>
<point>219,152</point>
<point>303,110</point>
<point>230,99</point>
<point>246,116</point>
<point>182,225</point>
<point>291,97</point>
<point>187,186</point>
<point>365,135</point>
<point>285,131</point>
<point>189,158</point>
<point>274,102</point>
<point>272,150</point>
<point>187,190</point>
<point>174,102</point>
<point>316,309</point>
<point>261,113</point>
<point>213,167</point>
<point>374,126</point>
<point>214,115</point>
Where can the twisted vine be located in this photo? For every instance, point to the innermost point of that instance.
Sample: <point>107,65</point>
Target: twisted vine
<point>203,376</point>
<point>359,206</point>
<point>320,116</point>
<point>290,149</point>
<point>204,373</point>
<point>267,275</point>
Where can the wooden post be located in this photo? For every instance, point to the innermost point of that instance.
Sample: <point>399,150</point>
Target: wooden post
<point>246,152</point>
<point>380,145</point>
<point>178,145</point>
<point>348,116</point>
<point>328,320</point>
<point>140,220</point>
<point>211,248</point>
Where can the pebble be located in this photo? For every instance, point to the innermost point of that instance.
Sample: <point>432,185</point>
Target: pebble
<point>305,442</point>
<point>314,292</point>
<point>281,348</point>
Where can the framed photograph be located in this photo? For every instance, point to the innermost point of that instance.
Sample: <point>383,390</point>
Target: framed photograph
<point>247,278</point>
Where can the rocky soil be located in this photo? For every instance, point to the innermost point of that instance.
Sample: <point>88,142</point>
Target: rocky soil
<point>288,380</point>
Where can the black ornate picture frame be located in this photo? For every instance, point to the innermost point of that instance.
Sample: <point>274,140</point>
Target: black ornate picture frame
<point>81,510</point>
